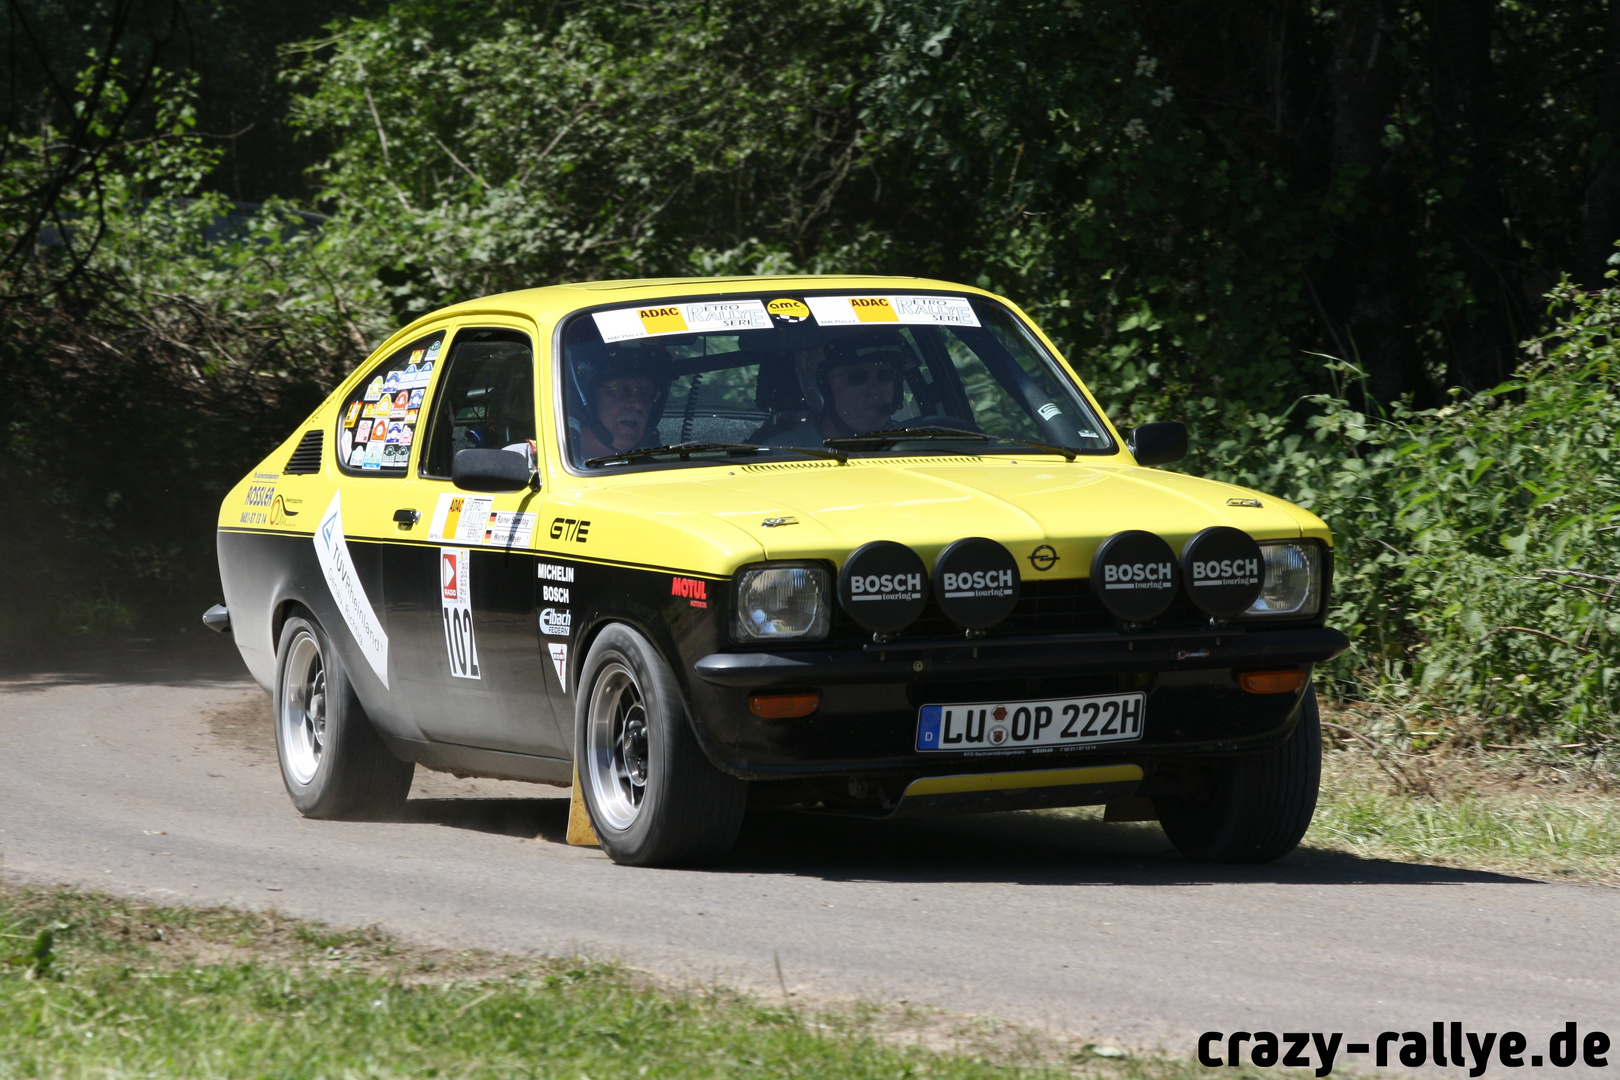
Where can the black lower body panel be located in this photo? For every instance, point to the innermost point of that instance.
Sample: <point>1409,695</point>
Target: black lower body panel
<point>870,699</point>
<point>476,761</point>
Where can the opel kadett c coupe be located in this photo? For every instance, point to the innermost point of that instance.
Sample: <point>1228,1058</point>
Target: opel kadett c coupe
<point>857,545</point>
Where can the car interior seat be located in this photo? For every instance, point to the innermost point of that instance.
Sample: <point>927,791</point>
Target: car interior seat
<point>779,394</point>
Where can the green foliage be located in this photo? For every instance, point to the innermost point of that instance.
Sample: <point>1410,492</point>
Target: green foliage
<point>153,349</point>
<point>1478,560</point>
<point>1064,171</point>
<point>519,148</point>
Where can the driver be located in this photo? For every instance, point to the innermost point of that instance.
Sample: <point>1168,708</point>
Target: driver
<point>860,388</point>
<point>624,387</point>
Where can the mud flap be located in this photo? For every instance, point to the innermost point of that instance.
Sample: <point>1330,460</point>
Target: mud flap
<point>580,832</point>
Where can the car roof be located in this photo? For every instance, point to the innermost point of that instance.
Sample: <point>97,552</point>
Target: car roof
<point>555,301</point>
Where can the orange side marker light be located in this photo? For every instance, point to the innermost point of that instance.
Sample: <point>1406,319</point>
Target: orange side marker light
<point>783,706</point>
<point>1285,681</point>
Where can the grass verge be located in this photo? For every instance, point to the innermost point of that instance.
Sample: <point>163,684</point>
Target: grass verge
<point>1541,812</point>
<point>94,985</point>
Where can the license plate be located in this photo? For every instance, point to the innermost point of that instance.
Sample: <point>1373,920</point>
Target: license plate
<point>1018,725</point>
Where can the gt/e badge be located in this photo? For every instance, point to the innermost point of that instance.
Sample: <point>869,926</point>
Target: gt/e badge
<point>570,529</point>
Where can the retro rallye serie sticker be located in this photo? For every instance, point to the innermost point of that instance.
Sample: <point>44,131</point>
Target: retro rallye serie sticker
<point>655,320</point>
<point>455,594</point>
<point>910,310</point>
<point>332,551</point>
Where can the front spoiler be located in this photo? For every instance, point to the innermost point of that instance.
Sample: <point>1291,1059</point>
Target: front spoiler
<point>978,793</point>
<point>996,658</point>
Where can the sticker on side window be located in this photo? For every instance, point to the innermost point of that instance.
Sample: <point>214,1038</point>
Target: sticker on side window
<point>907,310</point>
<point>455,594</point>
<point>655,320</point>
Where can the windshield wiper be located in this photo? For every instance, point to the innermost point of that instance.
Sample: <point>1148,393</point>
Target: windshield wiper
<point>1069,453</point>
<point>685,451</point>
<point>877,440</point>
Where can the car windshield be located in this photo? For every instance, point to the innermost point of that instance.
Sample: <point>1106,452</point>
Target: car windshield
<point>782,373</point>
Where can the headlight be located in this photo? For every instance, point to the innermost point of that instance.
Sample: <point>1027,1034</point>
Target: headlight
<point>781,600</point>
<point>1293,579</point>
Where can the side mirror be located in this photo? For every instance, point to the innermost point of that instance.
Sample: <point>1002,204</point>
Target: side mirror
<point>1155,444</point>
<point>492,470</point>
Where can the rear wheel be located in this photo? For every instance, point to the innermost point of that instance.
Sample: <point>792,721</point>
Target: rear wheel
<point>1259,805</point>
<point>653,796</point>
<point>333,762</point>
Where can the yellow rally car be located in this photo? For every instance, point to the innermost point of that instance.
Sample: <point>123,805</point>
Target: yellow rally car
<point>853,544</point>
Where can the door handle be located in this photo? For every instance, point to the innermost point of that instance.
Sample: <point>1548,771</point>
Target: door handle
<point>407,518</point>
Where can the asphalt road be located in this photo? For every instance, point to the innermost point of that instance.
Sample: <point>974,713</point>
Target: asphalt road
<point>149,769</point>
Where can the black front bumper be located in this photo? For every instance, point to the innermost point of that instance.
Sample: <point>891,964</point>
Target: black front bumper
<point>1002,658</point>
<point>870,696</point>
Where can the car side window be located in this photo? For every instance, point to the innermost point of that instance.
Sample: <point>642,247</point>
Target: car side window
<point>485,399</point>
<point>377,425</point>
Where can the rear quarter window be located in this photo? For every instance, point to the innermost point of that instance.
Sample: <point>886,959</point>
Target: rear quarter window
<point>377,425</point>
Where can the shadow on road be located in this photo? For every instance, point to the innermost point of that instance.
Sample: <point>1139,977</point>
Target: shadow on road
<point>545,819</point>
<point>194,658</point>
<point>1018,848</point>
<point>1035,848</point>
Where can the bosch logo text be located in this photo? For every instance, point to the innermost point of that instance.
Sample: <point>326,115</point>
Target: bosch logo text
<point>885,586</point>
<point>1245,570</point>
<point>1153,575</point>
<point>977,582</point>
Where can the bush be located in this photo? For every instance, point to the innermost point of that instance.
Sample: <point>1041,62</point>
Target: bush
<point>1478,559</point>
<point>150,355</point>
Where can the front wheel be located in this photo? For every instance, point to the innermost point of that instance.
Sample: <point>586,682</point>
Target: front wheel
<point>333,762</point>
<point>654,798</point>
<point>1259,806</point>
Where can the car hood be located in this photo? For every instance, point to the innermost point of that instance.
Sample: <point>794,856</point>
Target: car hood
<point>824,510</point>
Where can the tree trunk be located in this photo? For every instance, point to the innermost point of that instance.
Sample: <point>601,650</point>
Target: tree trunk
<point>1364,291</point>
<point>1600,225</point>
<point>1483,338</point>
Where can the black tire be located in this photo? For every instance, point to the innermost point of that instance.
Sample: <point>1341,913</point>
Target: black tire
<point>333,762</point>
<point>1259,806</point>
<point>654,797</point>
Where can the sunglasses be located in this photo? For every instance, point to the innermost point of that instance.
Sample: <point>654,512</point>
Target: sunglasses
<point>860,376</point>
<point>635,395</point>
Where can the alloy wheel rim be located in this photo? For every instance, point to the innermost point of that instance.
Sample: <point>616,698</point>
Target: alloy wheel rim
<point>303,709</point>
<point>617,751</point>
